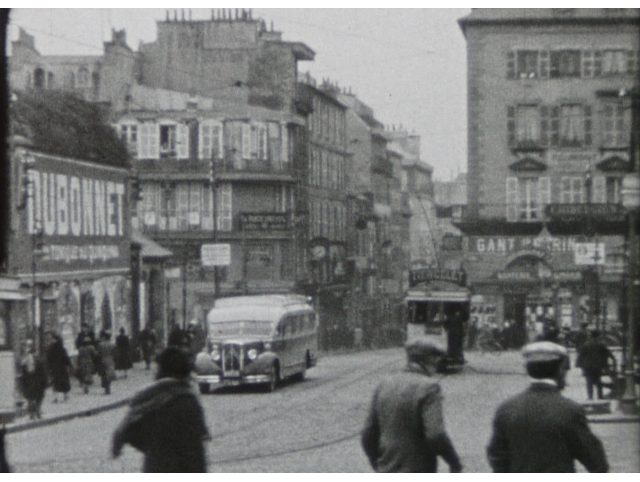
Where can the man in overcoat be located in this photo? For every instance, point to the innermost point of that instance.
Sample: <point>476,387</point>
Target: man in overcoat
<point>594,358</point>
<point>404,430</point>
<point>539,430</point>
<point>165,420</point>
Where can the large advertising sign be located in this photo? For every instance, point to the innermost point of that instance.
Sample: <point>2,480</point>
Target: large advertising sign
<point>76,212</point>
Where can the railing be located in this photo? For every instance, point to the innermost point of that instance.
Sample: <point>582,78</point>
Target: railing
<point>170,166</point>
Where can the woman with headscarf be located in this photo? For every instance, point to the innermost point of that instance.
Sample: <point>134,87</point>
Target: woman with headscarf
<point>59,364</point>
<point>123,352</point>
<point>106,363</point>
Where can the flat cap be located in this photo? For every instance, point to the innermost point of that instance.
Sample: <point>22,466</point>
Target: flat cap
<point>423,348</point>
<point>542,351</point>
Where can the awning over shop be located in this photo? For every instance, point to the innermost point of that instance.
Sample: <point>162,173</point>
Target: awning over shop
<point>149,248</point>
<point>10,289</point>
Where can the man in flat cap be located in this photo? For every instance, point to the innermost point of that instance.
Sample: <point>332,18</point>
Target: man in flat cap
<point>404,430</point>
<point>539,430</point>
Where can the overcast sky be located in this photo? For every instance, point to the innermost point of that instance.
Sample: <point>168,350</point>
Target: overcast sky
<point>409,65</point>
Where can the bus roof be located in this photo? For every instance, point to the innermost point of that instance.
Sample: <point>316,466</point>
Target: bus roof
<point>260,308</point>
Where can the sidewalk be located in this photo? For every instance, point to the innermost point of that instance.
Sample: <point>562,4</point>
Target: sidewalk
<point>80,404</point>
<point>511,363</point>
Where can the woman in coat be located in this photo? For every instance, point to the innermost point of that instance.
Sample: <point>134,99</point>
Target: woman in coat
<point>86,362</point>
<point>59,364</point>
<point>123,352</point>
<point>34,380</point>
<point>106,362</point>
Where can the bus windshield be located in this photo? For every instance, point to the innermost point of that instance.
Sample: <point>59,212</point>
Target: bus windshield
<point>240,327</point>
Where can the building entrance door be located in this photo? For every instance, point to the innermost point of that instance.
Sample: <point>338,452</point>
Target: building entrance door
<point>515,313</point>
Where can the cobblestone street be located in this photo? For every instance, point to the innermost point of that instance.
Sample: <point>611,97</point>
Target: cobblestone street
<point>313,426</point>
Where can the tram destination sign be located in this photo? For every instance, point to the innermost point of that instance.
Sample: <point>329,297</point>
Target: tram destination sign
<point>425,275</point>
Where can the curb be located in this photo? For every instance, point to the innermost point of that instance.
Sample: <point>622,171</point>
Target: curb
<point>615,419</point>
<point>67,416</point>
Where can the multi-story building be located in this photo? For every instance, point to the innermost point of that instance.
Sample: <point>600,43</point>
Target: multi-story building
<point>548,145</point>
<point>450,201</point>
<point>70,235</point>
<point>323,196</point>
<point>209,107</point>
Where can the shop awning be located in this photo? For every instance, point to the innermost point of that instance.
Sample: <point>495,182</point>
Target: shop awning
<point>149,248</point>
<point>12,296</point>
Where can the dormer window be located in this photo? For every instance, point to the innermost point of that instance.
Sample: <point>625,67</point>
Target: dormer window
<point>168,134</point>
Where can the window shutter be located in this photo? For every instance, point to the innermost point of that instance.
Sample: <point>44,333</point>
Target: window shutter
<point>512,199</point>
<point>143,149</point>
<point>274,141</point>
<point>587,64</point>
<point>154,141</point>
<point>223,207</point>
<point>204,141</point>
<point>511,124</point>
<point>246,141</point>
<point>555,125</point>
<point>578,193</point>
<point>511,64</point>
<point>544,125</point>
<point>599,189</point>
<point>217,147</point>
<point>565,193</point>
<point>254,141</point>
<point>544,192</point>
<point>182,141</point>
<point>597,63</point>
<point>587,125</point>
<point>285,142</point>
<point>631,61</point>
<point>544,64</point>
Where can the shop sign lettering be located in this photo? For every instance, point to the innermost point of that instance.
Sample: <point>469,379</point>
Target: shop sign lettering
<point>507,245</point>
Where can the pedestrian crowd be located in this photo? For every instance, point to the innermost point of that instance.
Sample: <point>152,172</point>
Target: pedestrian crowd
<point>55,369</point>
<point>537,430</point>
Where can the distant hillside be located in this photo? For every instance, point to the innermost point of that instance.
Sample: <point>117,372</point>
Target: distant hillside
<point>60,123</point>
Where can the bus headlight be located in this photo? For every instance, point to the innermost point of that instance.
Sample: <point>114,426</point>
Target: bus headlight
<point>252,354</point>
<point>267,346</point>
<point>215,355</point>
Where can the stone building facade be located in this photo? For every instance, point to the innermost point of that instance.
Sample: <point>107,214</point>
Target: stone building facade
<point>548,147</point>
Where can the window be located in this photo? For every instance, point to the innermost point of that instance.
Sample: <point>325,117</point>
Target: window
<point>83,77</point>
<point>615,124</point>
<point>614,62</point>
<point>565,63</point>
<point>224,207</point>
<point>148,141</point>
<point>210,145</point>
<point>69,80</point>
<point>572,190</point>
<point>613,187</point>
<point>527,124</point>
<point>168,135</point>
<point>526,198</point>
<point>527,64</point>
<point>572,125</point>
<point>129,135</point>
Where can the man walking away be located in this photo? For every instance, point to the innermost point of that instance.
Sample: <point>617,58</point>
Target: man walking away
<point>539,430</point>
<point>106,363</point>
<point>404,430</point>
<point>165,420</point>
<point>148,342</point>
<point>593,358</point>
<point>59,365</point>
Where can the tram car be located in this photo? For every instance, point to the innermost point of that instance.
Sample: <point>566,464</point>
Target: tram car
<point>438,310</point>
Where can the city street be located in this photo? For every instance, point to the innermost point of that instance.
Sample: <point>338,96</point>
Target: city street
<point>311,426</point>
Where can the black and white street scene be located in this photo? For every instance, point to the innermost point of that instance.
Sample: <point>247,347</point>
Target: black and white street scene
<point>329,240</point>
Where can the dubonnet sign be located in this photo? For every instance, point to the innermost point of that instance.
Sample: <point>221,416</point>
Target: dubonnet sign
<point>425,275</point>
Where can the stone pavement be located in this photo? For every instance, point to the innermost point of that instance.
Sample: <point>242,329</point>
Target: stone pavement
<point>510,362</point>
<point>80,404</point>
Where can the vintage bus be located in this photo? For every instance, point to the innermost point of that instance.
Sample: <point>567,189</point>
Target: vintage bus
<point>257,340</point>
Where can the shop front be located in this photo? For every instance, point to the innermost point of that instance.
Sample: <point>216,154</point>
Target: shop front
<point>530,286</point>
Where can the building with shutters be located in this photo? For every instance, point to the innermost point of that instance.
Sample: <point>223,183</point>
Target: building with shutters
<point>208,98</point>
<point>548,145</point>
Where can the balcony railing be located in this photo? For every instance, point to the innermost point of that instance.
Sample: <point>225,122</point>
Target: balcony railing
<point>175,166</point>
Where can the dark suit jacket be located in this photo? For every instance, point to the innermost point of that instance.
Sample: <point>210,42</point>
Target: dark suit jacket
<point>542,431</point>
<point>404,431</point>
